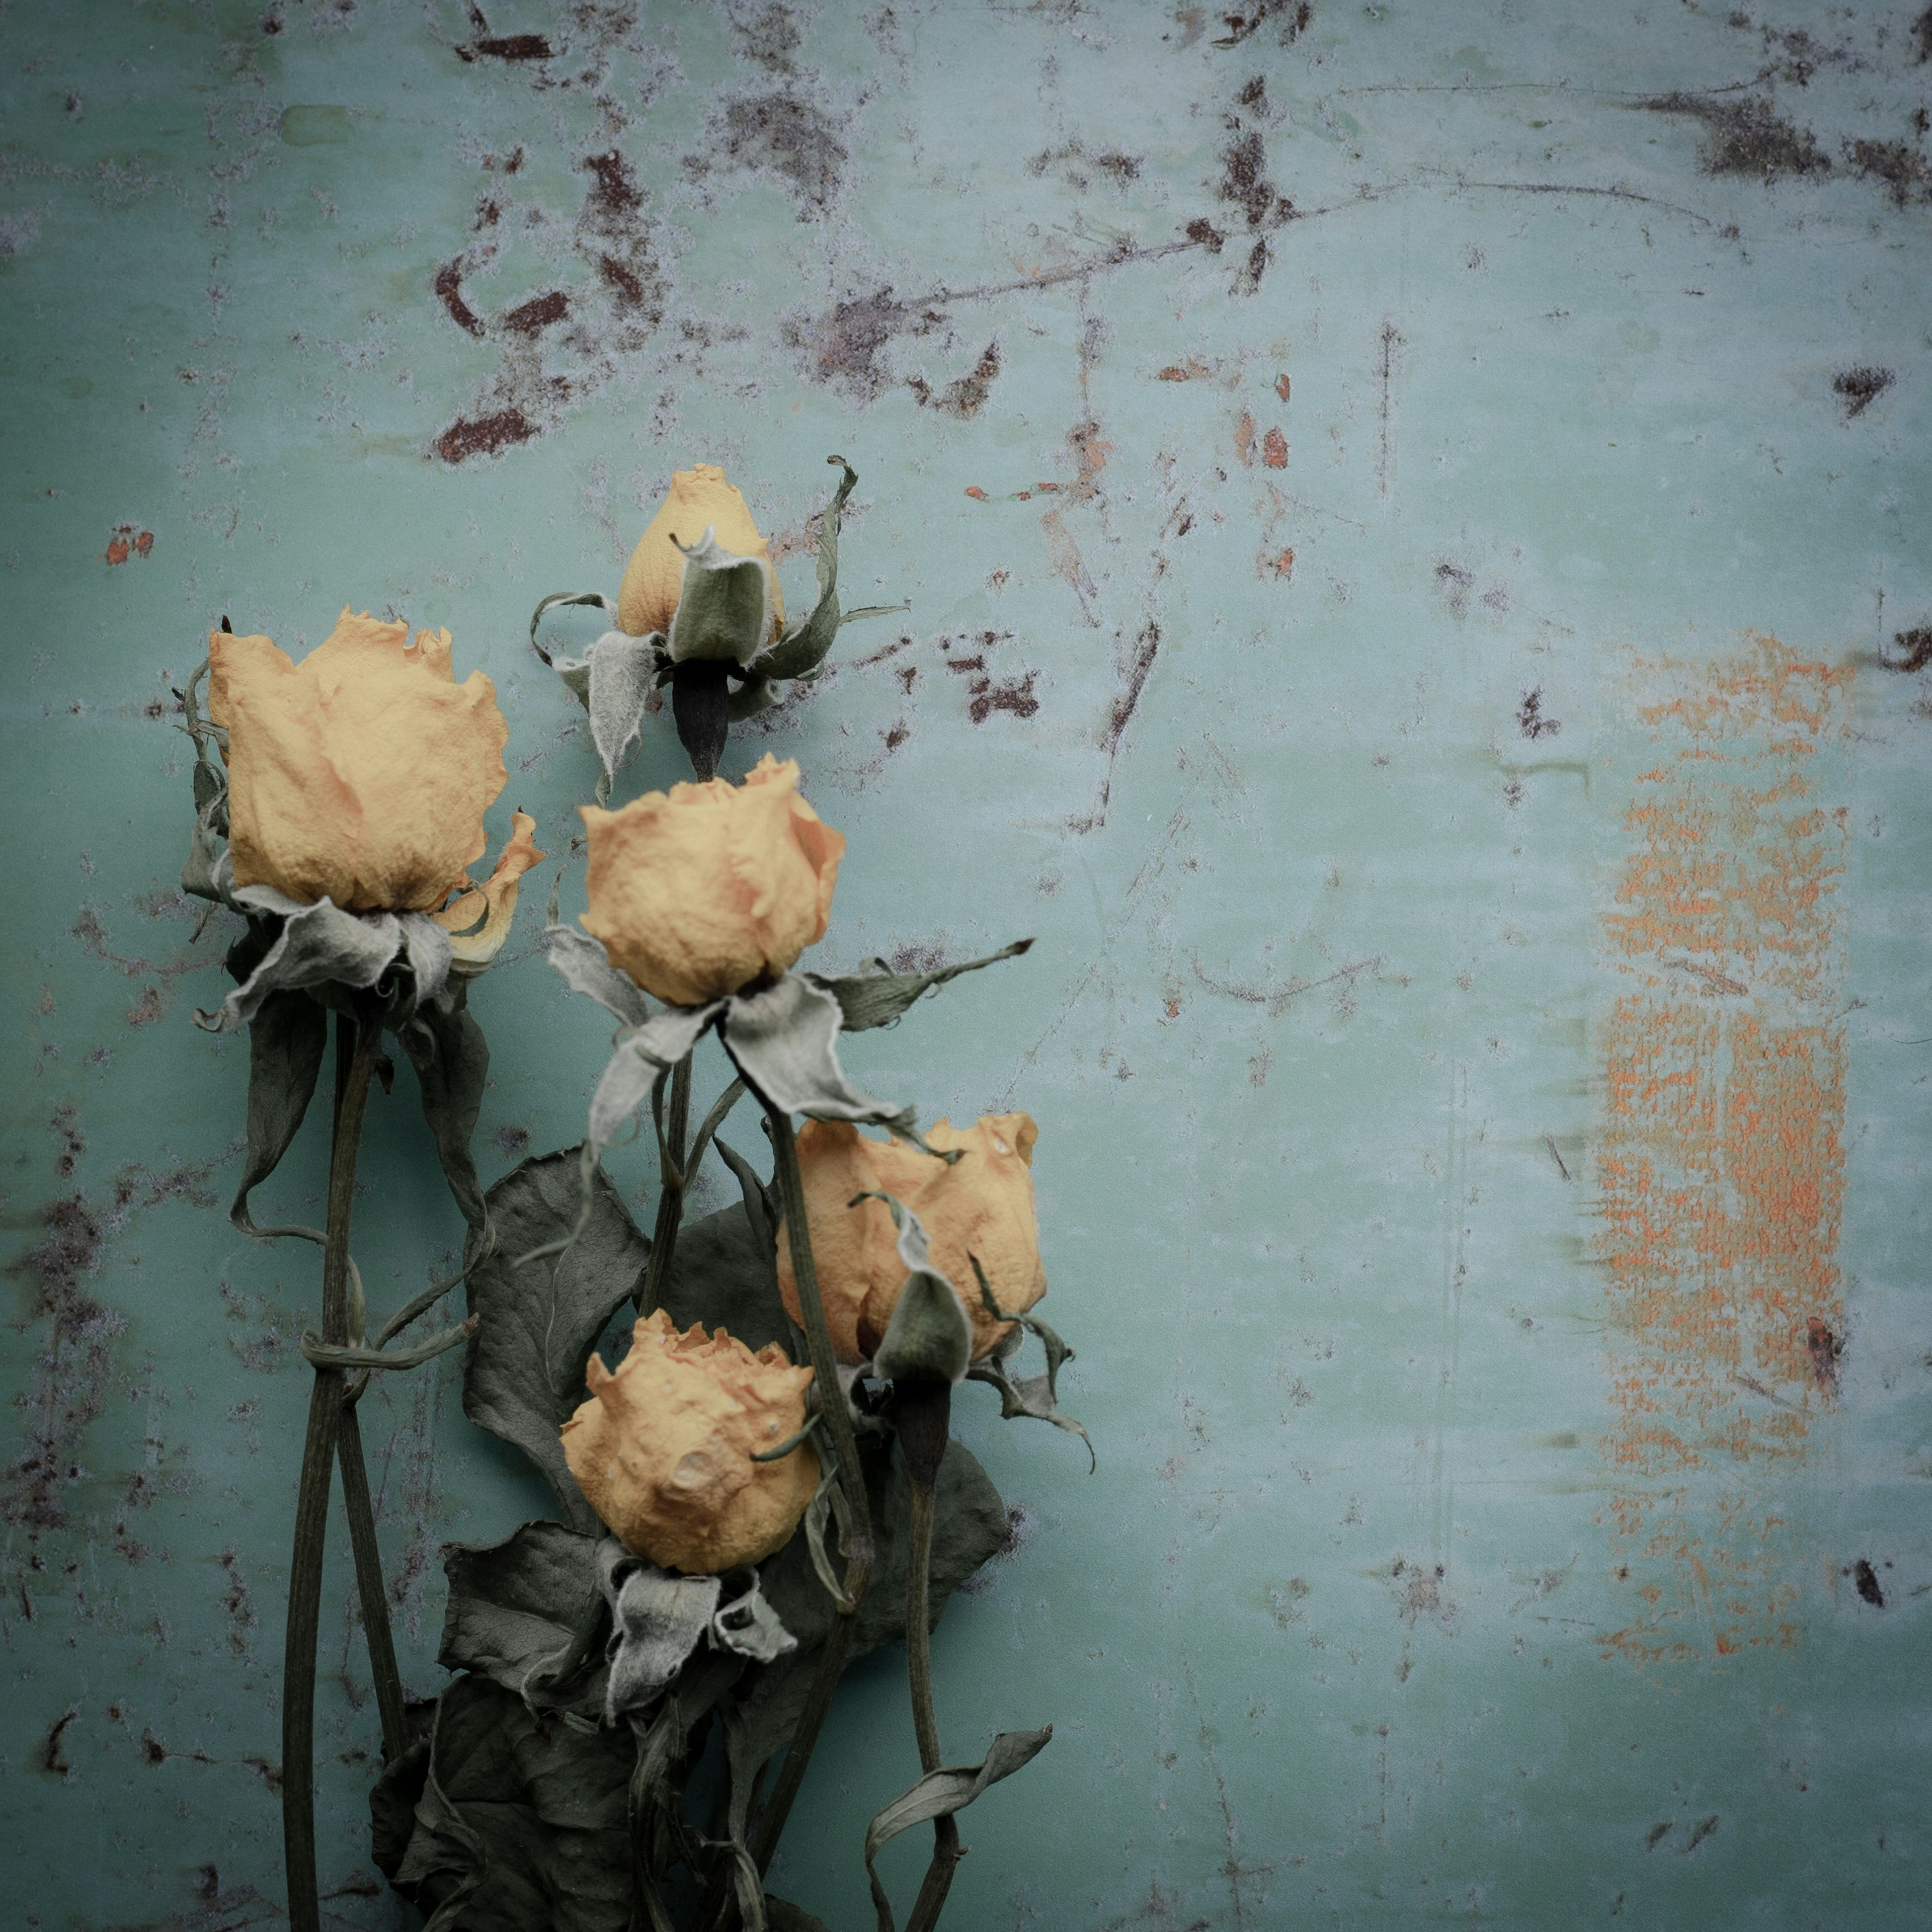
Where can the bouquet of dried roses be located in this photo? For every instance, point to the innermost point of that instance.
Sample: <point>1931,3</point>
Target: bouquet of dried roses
<point>763,1488</point>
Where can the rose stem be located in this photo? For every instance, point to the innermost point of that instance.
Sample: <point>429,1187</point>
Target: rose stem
<point>922,1411</point>
<point>670,1199</point>
<point>356,1052</point>
<point>362,1515</point>
<point>772,1815</point>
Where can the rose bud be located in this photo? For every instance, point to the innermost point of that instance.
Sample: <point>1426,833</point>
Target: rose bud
<point>360,775</point>
<point>981,1204</point>
<point>697,892</point>
<point>663,1449</point>
<point>701,577</point>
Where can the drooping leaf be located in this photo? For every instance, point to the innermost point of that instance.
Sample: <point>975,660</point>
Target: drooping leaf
<point>877,996</point>
<point>621,668</point>
<point>784,1041</point>
<point>321,944</point>
<point>286,1040</point>
<point>1037,1396</point>
<point>587,969</point>
<point>521,1602</point>
<point>659,1617</point>
<point>524,1375</point>
<point>522,1823</point>
<point>451,1058</point>
<point>939,1793</point>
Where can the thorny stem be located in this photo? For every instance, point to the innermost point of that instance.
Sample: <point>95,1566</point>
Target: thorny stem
<point>670,1198</point>
<point>357,1051</point>
<point>922,1411</point>
<point>771,1819</point>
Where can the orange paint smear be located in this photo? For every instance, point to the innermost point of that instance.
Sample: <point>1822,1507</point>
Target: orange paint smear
<point>1720,1151</point>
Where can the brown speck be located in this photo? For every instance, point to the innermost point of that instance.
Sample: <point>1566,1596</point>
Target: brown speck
<point>1205,235</point>
<point>152,1749</point>
<point>1015,697</point>
<point>117,549</point>
<point>1283,386</point>
<point>978,495</point>
<point>1825,1349</point>
<point>1244,438</point>
<point>147,1009</point>
<point>629,289</point>
<point>485,436</point>
<point>1282,565</point>
<point>448,287</point>
<point>1274,450</point>
<point>538,312</point>
<point>617,192</point>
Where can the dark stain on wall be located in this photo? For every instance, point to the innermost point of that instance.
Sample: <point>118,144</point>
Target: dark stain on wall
<point>1865,1580</point>
<point>1904,173</point>
<point>1859,388</point>
<point>784,135</point>
<point>966,396</point>
<point>1914,648</point>
<point>1746,135</point>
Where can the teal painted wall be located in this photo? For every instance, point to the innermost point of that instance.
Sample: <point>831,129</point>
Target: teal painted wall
<point>1479,1026</point>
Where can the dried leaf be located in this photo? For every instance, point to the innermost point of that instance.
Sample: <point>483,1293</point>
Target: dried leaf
<point>524,1375</point>
<point>877,996</point>
<point>519,1605</point>
<point>286,1040</point>
<point>587,969</point>
<point>939,1793</point>
<point>451,1058</point>
<point>621,668</point>
<point>802,649</point>
<point>785,1042</point>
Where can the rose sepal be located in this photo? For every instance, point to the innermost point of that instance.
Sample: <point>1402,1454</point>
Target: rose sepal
<point>928,1339</point>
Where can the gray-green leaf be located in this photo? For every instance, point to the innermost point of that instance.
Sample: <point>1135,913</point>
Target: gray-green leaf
<point>286,1041</point>
<point>451,1058</point>
<point>724,604</point>
<point>524,1375</point>
<point>877,996</point>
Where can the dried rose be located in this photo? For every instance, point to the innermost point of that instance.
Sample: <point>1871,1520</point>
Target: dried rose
<point>980,1205</point>
<point>698,892</point>
<point>663,1449</point>
<point>360,775</point>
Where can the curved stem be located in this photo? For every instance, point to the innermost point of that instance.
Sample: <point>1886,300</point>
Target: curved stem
<point>922,1411</point>
<point>673,1174</point>
<point>771,1821</point>
<point>357,1051</point>
<point>361,1512</point>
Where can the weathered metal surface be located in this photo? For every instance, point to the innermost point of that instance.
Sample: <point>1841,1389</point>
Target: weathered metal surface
<point>1413,518</point>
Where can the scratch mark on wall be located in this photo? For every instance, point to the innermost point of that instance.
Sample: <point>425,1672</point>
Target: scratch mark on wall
<point>1721,1154</point>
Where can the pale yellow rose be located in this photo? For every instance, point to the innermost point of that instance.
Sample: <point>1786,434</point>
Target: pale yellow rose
<point>981,1205</point>
<point>700,498</point>
<point>360,775</point>
<point>662,1450</point>
<point>698,891</point>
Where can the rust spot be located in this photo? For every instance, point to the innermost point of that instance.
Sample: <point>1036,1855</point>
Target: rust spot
<point>1274,450</point>
<point>147,1009</point>
<point>1015,697</point>
<point>1147,648</point>
<point>1825,1349</point>
<point>896,737</point>
<point>538,313</point>
<point>448,287</point>
<point>152,1749</point>
<point>1293,16</point>
<point>1721,1152</point>
<point>485,436</point>
<point>966,397</point>
<point>487,46</point>
<point>624,282</point>
<point>127,541</point>
<point>1203,232</point>
<point>1283,386</point>
<point>1915,649</point>
<point>1244,439</point>
<point>978,495</point>
<point>1281,565</point>
<point>616,191</point>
